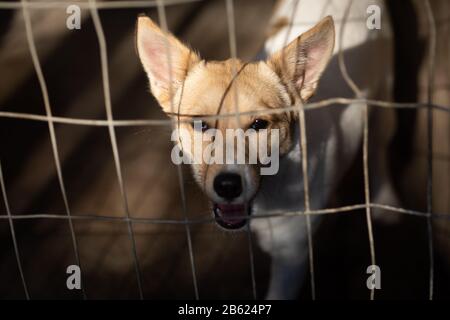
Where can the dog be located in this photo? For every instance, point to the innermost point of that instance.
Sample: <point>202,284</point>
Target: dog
<point>299,64</point>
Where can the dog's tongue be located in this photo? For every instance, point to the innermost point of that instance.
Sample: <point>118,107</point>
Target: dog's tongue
<point>231,215</point>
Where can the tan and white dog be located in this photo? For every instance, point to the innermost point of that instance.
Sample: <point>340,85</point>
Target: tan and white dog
<point>301,62</point>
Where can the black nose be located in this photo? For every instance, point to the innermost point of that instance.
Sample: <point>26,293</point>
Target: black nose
<point>228,185</point>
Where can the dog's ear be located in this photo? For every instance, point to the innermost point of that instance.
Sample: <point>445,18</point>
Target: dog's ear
<point>165,72</point>
<point>301,63</point>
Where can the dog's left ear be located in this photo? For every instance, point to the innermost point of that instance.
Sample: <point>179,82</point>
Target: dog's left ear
<point>301,63</point>
<point>166,73</point>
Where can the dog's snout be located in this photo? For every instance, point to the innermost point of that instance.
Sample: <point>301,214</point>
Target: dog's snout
<point>228,185</point>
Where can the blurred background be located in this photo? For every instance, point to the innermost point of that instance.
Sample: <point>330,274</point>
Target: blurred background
<point>71,65</point>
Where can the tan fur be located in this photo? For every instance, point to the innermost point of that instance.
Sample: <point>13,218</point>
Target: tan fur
<point>181,59</point>
<point>200,88</point>
<point>204,89</point>
<point>291,62</point>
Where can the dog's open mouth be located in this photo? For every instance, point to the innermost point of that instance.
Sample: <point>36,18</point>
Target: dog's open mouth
<point>231,216</point>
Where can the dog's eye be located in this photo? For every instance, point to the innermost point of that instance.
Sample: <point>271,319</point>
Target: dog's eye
<point>200,125</point>
<point>259,124</point>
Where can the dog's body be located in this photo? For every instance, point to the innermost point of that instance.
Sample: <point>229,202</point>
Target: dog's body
<point>290,73</point>
<point>333,133</point>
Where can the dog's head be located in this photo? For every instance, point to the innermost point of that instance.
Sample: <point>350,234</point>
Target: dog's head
<point>188,87</point>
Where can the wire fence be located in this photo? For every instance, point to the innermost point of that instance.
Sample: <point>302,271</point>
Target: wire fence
<point>112,124</point>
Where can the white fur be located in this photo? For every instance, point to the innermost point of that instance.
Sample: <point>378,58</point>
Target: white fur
<point>333,133</point>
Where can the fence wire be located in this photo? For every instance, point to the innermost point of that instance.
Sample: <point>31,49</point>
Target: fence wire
<point>13,234</point>
<point>160,5</point>
<point>304,162</point>
<point>233,55</point>
<point>163,23</point>
<point>112,134</point>
<point>431,71</point>
<point>51,127</point>
<point>358,93</point>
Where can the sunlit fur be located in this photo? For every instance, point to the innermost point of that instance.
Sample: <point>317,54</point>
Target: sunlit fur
<point>301,65</point>
<point>198,87</point>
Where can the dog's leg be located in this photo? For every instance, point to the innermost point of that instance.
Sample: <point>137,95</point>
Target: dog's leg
<point>286,276</point>
<point>382,130</point>
<point>383,191</point>
<point>285,240</point>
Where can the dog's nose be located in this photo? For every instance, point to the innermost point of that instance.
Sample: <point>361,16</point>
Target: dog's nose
<point>228,185</point>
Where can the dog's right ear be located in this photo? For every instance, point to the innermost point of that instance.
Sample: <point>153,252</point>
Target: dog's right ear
<point>165,59</point>
<point>301,63</point>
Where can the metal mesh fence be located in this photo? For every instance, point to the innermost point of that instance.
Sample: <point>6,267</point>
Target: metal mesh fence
<point>112,124</point>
